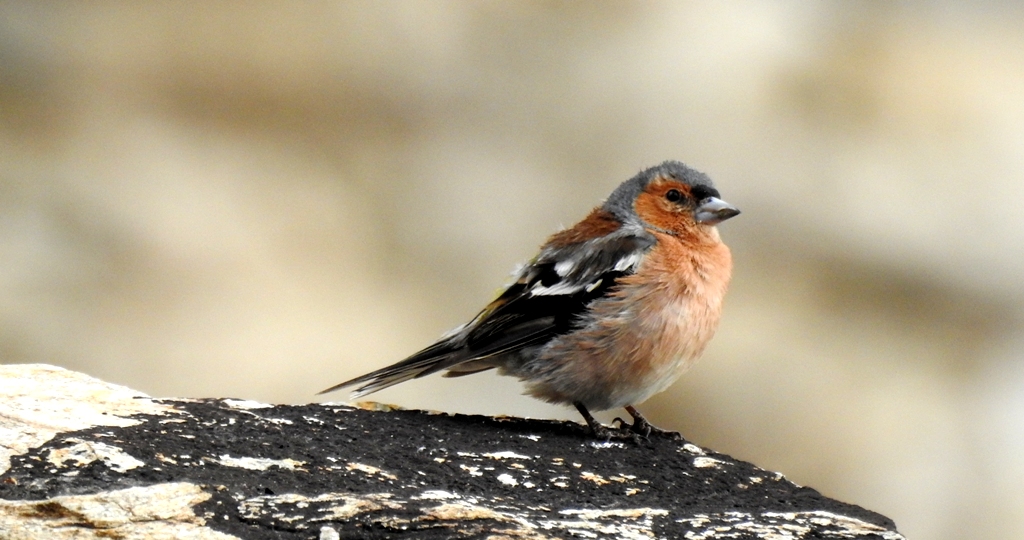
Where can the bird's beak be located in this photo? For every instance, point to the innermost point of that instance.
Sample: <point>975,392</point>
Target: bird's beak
<point>714,210</point>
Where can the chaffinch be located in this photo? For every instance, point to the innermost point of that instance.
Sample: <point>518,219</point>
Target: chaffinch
<point>610,312</point>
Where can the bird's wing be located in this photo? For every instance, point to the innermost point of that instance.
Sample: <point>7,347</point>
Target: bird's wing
<point>546,299</point>
<point>552,291</point>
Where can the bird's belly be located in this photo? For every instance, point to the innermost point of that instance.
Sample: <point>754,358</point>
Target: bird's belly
<point>623,359</point>
<point>667,340</point>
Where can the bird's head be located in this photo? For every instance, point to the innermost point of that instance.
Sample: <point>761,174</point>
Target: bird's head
<point>671,198</point>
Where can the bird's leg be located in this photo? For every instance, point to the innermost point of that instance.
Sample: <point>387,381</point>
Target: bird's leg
<point>601,431</point>
<point>644,428</point>
<point>596,429</point>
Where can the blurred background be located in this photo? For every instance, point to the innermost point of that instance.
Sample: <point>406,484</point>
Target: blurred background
<point>260,200</point>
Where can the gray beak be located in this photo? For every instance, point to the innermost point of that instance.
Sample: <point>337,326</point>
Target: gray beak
<point>714,210</point>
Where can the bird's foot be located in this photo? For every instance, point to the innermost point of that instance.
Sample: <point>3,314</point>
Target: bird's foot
<point>605,433</point>
<point>600,431</point>
<point>645,429</point>
<point>624,430</point>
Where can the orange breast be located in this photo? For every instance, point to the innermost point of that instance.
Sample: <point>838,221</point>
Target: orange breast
<point>679,289</point>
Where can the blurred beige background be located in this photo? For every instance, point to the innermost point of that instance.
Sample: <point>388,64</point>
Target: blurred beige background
<point>262,199</point>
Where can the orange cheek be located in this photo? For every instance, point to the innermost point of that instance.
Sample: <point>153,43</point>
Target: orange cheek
<point>659,212</point>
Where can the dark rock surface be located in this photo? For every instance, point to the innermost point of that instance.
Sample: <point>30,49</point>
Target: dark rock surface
<point>229,468</point>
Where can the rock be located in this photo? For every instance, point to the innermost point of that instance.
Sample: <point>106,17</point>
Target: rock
<point>86,459</point>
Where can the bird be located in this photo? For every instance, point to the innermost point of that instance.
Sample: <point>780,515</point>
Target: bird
<point>610,311</point>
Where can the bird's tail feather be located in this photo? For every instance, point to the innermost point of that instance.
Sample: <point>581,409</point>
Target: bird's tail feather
<point>430,360</point>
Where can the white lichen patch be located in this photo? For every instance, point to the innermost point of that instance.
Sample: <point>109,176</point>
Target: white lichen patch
<point>158,511</point>
<point>603,445</point>
<point>626,523</point>
<point>258,464</point>
<point>370,470</point>
<point>783,526</point>
<point>462,512</point>
<point>293,509</point>
<point>560,481</point>
<point>165,459</point>
<point>505,455</point>
<point>508,480</point>
<point>353,506</point>
<point>595,478</point>
<point>616,513</point>
<point>473,471</point>
<point>436,495</point>
<point>692,448</point>
<point>372,406</point>
<point>40,401</point>
<point>246,407</point>
<point>245,404</point>
<point>83,453</point>
<point>706,462</point>
<point>846,525</point>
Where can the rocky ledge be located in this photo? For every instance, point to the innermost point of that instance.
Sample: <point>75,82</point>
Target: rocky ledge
<point>81,458</point>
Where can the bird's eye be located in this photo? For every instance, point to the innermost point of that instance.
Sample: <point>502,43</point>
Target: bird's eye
<point>673,195</point>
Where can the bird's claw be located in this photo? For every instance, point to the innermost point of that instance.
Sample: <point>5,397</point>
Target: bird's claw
<point>645,429</point>
<point>621,433</point>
